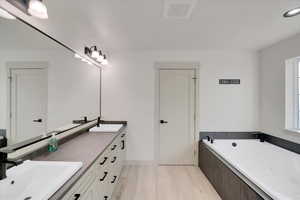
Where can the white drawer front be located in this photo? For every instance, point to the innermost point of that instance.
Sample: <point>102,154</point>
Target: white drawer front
<point>100,180</point>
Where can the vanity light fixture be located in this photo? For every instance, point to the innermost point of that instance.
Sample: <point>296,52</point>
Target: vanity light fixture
<point>5,14</point>
<point>96,55</point>
<point>293,12</point>
<point>35,8</point>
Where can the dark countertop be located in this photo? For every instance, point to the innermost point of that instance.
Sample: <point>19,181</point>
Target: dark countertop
<point>85,148</point>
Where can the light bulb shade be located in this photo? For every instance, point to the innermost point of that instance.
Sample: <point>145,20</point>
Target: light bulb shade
<point>104,62</point>
<point>95,54</point>
<point>5,14</point>
<point>37,9</point>
<point>292,12</point>
<point>101,57</point>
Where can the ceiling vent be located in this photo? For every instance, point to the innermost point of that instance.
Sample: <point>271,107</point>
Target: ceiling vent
<point>178,9</point>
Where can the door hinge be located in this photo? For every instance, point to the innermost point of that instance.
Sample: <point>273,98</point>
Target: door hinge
<point>10,78</point>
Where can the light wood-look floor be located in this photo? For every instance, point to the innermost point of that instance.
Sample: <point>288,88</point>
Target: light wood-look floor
<point>164,183</point>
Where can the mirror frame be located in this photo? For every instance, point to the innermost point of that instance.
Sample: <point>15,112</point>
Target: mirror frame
<point>14,147</point>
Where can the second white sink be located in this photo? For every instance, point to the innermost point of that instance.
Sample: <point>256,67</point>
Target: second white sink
<point>107,128</point>
<point>36,180</point>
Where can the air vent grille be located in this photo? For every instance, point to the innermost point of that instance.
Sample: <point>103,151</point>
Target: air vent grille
<point>178,9</point>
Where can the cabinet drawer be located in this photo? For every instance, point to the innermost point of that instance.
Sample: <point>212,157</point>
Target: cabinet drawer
<point>103,161</point>
<point>82,185</point>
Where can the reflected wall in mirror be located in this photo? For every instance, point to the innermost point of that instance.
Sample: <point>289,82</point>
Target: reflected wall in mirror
<point>43,87</point>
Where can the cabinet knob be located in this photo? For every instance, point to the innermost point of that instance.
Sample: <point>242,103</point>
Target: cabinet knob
<point>104,176</point>
<point>114,147</point>
<point>105,197</point>
<point>123,145</point>
<point>104,160</point>
<point>114,179</point>
<point>114,159</point>
<point>76,196</point>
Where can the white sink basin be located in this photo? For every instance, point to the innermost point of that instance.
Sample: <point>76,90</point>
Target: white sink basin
<point>107,128</point>
<point>36,180</point>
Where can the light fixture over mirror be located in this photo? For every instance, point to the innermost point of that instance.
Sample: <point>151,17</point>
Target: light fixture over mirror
<point>293,12</point>
<point>35,8</point>
<point>96,55</point>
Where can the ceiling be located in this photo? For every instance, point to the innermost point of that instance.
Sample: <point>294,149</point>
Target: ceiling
<point>136,25</point>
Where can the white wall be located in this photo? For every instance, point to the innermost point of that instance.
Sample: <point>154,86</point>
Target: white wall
<point>73,86</point>
<point>272,75</point>
<point>129,93</point>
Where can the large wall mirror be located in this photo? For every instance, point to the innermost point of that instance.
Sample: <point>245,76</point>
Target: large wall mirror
<point>43,88</point>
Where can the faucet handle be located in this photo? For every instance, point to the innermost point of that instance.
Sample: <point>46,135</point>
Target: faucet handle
<point>3,141</point>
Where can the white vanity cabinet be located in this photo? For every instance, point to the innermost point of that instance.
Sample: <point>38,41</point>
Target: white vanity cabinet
<point>99,182</point>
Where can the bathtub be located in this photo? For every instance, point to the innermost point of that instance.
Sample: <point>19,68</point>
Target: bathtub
<point>274,170</point>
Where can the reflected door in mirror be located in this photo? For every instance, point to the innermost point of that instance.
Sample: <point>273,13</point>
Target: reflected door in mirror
<point>28,100</point>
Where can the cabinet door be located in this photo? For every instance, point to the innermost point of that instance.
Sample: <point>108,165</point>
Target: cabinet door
<point>92,193</point>
<point>248,194</point>
<point>231,185</point>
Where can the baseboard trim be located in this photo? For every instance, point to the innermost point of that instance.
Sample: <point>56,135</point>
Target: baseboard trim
<point>141,162</point>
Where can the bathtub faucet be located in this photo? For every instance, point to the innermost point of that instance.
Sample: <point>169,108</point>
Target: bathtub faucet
<point>211,140</point>
<point>208,138</point>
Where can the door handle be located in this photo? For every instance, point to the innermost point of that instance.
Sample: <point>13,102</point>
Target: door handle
<point>38,120</point>
<point>163,122</point>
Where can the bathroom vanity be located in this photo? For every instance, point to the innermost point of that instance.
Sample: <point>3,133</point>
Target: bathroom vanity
<point>102,155</point>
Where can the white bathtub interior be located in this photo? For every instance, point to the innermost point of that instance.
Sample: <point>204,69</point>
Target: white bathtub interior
<point>273,169</point>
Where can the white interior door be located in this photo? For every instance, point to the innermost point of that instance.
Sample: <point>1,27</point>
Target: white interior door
<point>28,100</point>
<point>177,112</point>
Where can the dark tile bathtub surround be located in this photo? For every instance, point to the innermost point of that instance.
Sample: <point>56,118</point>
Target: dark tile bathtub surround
<point>2,132</point>
<point>230,135</point>
<point>291,146</point>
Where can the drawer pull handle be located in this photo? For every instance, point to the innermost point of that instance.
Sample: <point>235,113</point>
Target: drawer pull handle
<point>123,144</point>
<point>114,147</point>
<point>123,135</point>
<point>104,160</point>
<point>114,179</point>
<point>103,178</point>
<point>114,159</point>
<point>77,196</point>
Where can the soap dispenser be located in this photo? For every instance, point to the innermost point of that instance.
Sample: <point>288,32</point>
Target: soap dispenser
<point>53,143</point>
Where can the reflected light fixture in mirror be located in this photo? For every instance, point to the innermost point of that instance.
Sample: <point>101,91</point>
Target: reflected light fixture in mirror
<point>293,12</point>
<point>5,14</point>
<point>35,8</point>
